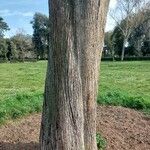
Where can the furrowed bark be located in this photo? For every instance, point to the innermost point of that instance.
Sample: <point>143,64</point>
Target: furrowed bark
<point>76,40</point>
<point>92,37</point>
<point>62,120</point>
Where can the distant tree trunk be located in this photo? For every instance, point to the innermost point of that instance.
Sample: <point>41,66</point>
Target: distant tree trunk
<point>123,49</point>
<point>113,53</point>
<point>138,47</point>
<point>76,41</point>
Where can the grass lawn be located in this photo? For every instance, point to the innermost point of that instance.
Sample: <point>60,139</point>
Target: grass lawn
<point>21,89</point>
<point>121,83</point>
<point>125,83</point>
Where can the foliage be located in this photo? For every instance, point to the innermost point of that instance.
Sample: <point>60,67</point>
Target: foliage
<point>40,34</point>
<point>22,45</point>
<point>128,15</point>
<point>3,48</point>
<point>7,46</point>
<point>101,142</point>
<point>14,51</point>
<point>109,43</point>
<point>127,58</point>
<point>3,27</point>
<point>114,40</point>
<point>146,47</point>
<point>140,37</point>
<point>118,40</point>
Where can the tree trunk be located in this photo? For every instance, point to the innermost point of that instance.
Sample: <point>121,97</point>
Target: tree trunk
<point>138,47</point>
<point>92,38</point>
<point>113,53</point>
<point>69,108</point>
<point>123,49</point>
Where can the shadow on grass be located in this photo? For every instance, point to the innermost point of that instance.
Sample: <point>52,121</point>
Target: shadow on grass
<point>19,146</point>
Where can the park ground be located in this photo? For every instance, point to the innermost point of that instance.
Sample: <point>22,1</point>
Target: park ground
<point>122,84</point>
<point>122,129</point>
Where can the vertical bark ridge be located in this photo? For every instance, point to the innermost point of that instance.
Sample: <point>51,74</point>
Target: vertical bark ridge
<point>94,21</point>
<point>72,75</point>
<point>63,106</point>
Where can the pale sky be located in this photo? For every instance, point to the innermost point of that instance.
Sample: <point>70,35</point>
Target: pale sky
<point>19,13</point>
<point>110,22</point>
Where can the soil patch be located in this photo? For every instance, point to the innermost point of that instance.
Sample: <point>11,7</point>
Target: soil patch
<point>123,129</point>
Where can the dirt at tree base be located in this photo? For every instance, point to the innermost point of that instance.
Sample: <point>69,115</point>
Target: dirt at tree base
<point>123,129</point>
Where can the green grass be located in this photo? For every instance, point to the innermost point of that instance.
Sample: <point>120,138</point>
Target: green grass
<point>21,89</point>
<point>121,83</point>
<point>20,105</point>
<point>21,78</point>
<point>126,84</point>
<point>101,142</point>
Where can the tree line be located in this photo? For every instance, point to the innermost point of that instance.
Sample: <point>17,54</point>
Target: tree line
<point>22,45</point>
<point>131,35</point>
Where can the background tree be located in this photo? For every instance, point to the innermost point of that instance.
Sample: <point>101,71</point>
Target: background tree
<point>23,44</point>
<point>117,39</point>
<point>146,48</point>
<point>126,18</point>
<point>40,34</point>
<point>3,27</point>
<point>141,33</point>
<point>3,48</point>
<point>69,108</point>
<point>14,52</point>
<point>110,42</point>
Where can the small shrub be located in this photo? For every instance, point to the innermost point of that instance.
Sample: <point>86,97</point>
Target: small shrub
<point>101,142</point>
<point>134,103</point>
<point>127,58</point>
<point>14,113</point>
<point>111,98</point>
<point>2,116</point>
<point>118,98</point>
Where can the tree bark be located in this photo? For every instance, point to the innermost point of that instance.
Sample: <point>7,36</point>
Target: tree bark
<point>92,37</point>
<point>69,108</point>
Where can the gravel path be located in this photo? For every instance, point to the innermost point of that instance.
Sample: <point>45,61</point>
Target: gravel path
<point>124,129</point>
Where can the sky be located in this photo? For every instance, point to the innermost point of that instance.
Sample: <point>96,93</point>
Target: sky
<point>110,22</point>
<point>19,13</point>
